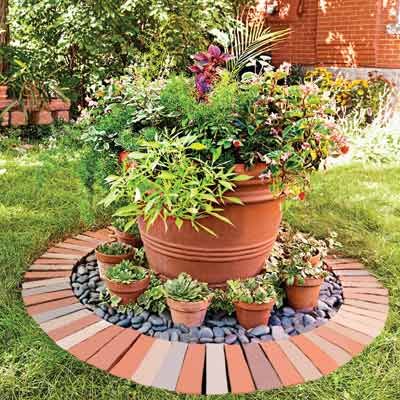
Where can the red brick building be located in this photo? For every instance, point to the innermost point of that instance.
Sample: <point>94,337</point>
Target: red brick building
<point>354,35</point>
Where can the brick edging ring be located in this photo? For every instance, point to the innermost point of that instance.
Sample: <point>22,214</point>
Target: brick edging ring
<point>200,368</point>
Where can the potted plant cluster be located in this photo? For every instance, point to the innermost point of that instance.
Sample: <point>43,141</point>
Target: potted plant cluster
<point>211,172</point>
<point>303,281</point>
<point>127,281</point>
<point>130,236</point>
<point>254,299</point>
<point>113,253</point>
<point>187,299</point>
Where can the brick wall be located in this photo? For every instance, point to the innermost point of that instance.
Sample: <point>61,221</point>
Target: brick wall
<point>341,33</point>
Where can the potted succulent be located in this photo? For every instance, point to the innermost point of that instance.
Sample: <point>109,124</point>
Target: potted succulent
<point>130,236</point>
<point>187,299</point>
<point>216,164</point>
<point>127,281</point>
<point>113,253</point>
<point>303,281</point>
<point>254,299</point>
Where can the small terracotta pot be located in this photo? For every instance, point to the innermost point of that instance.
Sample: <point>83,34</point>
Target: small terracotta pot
<point>304,297</point>
<point>128,293</point>
<point>186,313</point>
<point>252,315</point>
<point>3,92</point>
<point>315,260</point>
<point>127,238</point>
<point>106,261</point>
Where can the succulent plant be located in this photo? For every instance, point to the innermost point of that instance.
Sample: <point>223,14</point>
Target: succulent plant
<point>186,289</point>
<point>115,249</point>
<point>126,272</point>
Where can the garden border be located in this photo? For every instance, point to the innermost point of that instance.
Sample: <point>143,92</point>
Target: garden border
<point>200,368</point>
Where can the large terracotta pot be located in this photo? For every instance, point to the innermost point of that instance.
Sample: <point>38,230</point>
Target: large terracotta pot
<point>128,293</point>
<point>186,313</point>
<point>239,251</point>
<point>106,261</point>
<point>252,315</point>
<point>304,297</point>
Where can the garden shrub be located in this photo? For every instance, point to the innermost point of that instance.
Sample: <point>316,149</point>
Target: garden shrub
<point>89,41</point>
<point>354,95</point>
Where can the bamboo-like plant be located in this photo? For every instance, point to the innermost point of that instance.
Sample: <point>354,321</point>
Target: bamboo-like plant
<point>249,38</point>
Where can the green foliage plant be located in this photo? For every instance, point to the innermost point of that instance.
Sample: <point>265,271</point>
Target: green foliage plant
<point>153,299</point>
<point>115,249</point>
<point>126,273</point>
<point>170,181</point>
<point>186,289</point>
<point>258,290</point>
<point>121,223</point>
<point>295,269</point>
<point>221,302</point>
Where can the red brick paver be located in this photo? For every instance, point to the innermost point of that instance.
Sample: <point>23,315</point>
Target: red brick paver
<point>238,371</point>
<point>191,377</point>
<point>282,365</point>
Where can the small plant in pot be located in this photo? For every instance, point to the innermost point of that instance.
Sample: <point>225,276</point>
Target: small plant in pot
<point>127,281</point>
<point>254,299</point>
<point>187,299</point>
<point>303,281</point>
<point>127,232</point>
<point>113,253</point>
<point>313,250</point>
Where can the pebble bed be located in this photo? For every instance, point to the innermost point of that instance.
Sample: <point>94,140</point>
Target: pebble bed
<point>217,328</point>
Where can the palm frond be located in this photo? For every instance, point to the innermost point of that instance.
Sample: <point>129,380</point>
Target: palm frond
<point>250,38</point>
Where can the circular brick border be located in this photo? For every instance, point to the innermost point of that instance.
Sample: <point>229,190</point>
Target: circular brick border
<point>199,368</point>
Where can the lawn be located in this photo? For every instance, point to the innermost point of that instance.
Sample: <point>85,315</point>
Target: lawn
<point>42,200</point>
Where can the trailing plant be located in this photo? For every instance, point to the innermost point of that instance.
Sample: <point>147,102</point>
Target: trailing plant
<point>221,302</point>
<point>115,249</point>
<point>153,299</point>
<point>186,289</point>
<point>296,269</point>
<point>258,290</point>
<point>126,272</point>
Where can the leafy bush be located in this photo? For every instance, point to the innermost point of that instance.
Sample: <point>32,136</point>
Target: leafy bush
<point>185,289</point>
<point>88,41</point>
<point>259,290</point>
<point>378,142</point>
<point>126,272</point>
<point>115,249</point>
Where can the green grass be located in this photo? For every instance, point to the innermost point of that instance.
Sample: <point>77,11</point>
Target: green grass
<point>42,201</point>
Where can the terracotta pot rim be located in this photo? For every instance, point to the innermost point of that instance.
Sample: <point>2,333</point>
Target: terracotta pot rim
<point>106,258</point>
<point>127,284</point>
<point>308,282</point>
<point>256,306</point>
<point>187,306</point>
